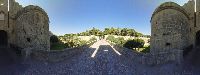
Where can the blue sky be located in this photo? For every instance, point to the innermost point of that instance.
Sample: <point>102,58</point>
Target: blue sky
<point>73,16</point>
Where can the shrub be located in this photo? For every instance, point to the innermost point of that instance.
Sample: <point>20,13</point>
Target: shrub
<point>92,41</point>
<point>82,42</point>
<point>146,50</point>
<point>119,41</point>
<point>54,39</point>
<point>139,43</point>
<point>110,38</point>
<point>135,43</point>
<point>130,44</point>
<point>58,46</point>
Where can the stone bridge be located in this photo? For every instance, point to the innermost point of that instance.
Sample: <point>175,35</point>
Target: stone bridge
<point>100,58</point>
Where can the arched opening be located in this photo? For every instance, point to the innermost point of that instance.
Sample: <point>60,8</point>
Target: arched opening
<point>7,55</point>
<point>3,38</point>
<point>198,38</point>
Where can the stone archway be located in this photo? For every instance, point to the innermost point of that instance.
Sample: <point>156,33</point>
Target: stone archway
<point>198,38</point>
<point>3,38</point>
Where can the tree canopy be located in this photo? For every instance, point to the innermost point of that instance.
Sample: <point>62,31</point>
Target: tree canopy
<point>111,31</point>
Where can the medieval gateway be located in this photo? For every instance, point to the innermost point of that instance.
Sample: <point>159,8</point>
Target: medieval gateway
<point>23,28</point>
<point>175,29</point>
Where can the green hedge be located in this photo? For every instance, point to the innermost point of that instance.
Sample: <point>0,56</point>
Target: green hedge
<point>130,43</point>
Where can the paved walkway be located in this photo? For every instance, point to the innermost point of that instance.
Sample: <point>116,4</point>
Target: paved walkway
<point>99,59</point>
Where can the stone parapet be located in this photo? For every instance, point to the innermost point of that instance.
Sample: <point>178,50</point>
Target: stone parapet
<point>174,56</point>
<point>55,55</point>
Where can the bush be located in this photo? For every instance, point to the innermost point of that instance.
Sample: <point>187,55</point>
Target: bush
<point>135,43</point>
<point>82,42</point>
<point>119,41</point>
<point>130,44</point>
<point>110,38</point>
<point>139,43</point>
<point>54,39</point>
<point>92,41</point>
<point>58,46</point>
<point>146,50</point>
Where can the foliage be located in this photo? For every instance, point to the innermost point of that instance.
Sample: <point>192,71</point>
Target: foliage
<point>135,43</point>
<point>111,31</point>
<point>72,40</point>
<point>92,41</point>
<point>55,43</point>
<point>119,41</point>
<point>130,44</point>
<point>110,38</point>
<point>58,46</point>
<point>139,43</point>
<point>54,39</point>
<point>146,50</point>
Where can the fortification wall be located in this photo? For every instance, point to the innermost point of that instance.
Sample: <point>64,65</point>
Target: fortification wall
<point>32,28</point>
<point>57,56</point>
<point>169,28</point>
<point>174,56</point>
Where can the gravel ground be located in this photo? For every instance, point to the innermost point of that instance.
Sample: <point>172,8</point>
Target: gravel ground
<point>104,63</point>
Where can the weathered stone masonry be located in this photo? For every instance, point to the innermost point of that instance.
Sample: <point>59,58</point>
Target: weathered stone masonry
<point>174,28</point>
<point>25,27</point>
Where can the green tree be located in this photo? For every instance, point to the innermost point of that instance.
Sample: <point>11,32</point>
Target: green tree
<point>124,32</point>
<point>120,41</point>
<point>54,39</point>
<point>139,43</point>
<point>94,31</point>
<point>130,32</point>
<point>110,38</point>
<point>135,43</point>
<point>106,31</point>
<point>130,44</point>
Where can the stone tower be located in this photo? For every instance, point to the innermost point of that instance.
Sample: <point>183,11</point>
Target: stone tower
<point>174,29</point>
<point>23,27</point>
<point>170,27</point>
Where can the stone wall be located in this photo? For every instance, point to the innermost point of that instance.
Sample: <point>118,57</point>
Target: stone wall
<point>174,56</point>
<point>56,56</point>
